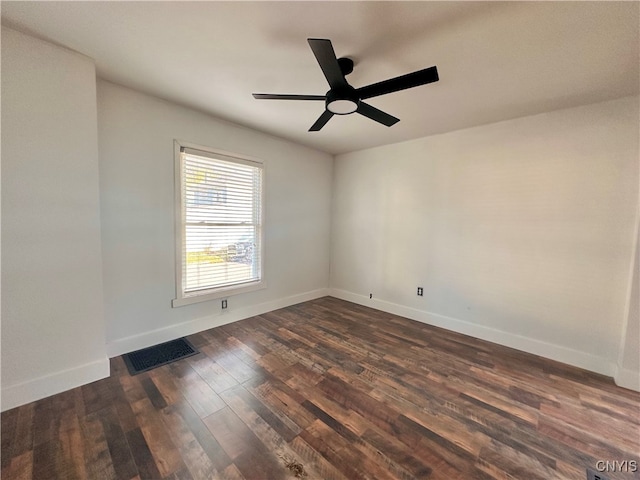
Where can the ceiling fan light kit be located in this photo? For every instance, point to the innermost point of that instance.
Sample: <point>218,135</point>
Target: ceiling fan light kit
<point>342,102</point>
<point>342,98</point>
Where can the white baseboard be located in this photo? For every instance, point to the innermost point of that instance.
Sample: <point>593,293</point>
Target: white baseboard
<point>32,390</point>
<point>627,378</point>
<point>530,345</point>
<point>154,337</point>
<point>38,388</point>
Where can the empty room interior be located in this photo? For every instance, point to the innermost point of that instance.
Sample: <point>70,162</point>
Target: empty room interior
<point>322,240</point>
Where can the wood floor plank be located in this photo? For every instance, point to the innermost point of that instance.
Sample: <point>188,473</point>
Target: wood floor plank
<point>212,373</point>
<point>195,458</point>
<point>195,389</point>
<point>73,448</point>
<point>332,454</point>
<point>592,443</point>
<point>229,431</point>
<point>132,388</point>
<point>346,392</point>
<point>145,463</point>
<point>45,421</point>
<point>98,395</point>
<point>271,433</point>
<point>8,431</point>
<point>249,454</point>
<point>237,368</point>
<point>285,402</point>
<point>125,414</point>
<point>603,404</point>
<point>246,351</point>
<point>331,422</point>
<point>24,432</point>
<point>98,461</point>
<point>309,456</point>
<point>497,457</point>
<point>164,382</point>
<point>219,459</point>
<point>46,461</point>
<point>158,439</point>
<point>19,467</point>
<point>620,431</point>
<point>238,396</point>
<point>396,451</point>
<point>231,473</point>
<point>153,394</point>
<point>182,474</point>
<point>123,462</point>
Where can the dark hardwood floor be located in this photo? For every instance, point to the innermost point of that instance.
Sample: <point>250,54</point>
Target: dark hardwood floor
<point>344,391</point>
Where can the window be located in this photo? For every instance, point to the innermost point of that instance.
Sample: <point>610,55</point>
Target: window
<point>218,224</point>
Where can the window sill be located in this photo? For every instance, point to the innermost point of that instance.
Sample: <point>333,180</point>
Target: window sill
<point>218,293</point>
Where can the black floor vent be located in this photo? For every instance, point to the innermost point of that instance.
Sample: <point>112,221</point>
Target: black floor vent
<point>158,355</point>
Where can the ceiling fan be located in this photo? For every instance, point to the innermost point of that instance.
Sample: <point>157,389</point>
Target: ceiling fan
<point>342,98</point>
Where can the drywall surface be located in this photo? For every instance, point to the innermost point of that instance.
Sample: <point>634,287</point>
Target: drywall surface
<point>520,232</point>
<point>628,371</point>
<point>136,135</point>
<point>52,309</point>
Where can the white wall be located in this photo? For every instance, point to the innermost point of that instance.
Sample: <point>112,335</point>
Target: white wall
<point>52,309</point>
<point>520,232</point>
<point>136,134</point>
<point>628,369</point>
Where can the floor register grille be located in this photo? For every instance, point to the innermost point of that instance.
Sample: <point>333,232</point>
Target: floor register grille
<point>158,355</point>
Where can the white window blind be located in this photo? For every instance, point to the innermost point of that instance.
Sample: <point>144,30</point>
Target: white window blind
<point>221,222</point>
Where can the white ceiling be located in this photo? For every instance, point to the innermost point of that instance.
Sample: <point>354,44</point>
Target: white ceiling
<point>496,60</point>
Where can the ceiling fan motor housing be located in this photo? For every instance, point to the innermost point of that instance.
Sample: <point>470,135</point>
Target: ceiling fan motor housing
<point>342,101</point>
<point>346,65</point>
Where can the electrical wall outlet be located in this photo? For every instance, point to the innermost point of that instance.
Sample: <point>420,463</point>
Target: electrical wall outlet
<point>371,295</point>
<point>224,303</point>
<point>420,291</point>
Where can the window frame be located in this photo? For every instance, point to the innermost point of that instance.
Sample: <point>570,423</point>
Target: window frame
<point>183,298</point>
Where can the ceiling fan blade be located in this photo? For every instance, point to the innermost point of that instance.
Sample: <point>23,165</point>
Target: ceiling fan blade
<point>322,121</point>
<point>410,80</point>
<point>378,115</point>
<point>323,50</point>
<point>275,96</point>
